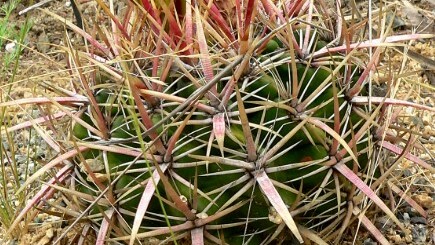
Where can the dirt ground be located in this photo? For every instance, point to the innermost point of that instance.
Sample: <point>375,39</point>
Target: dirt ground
<point>42,61</point>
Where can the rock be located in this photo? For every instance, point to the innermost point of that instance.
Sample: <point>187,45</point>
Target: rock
<point>427,119</point>
<point>11,47</point>
<point>383,223</point>
<point>43,44</point>
<point>31,167</point>
<point>94,164</point>
<point>396,238</point>
<point>418,220</point>
<point>49,233</point>
<point>406,219</point>
<point>407,172</point>
<point>421,181</point>
<point>13,242</point>
<point>419,234</point>
<point>369,241</point>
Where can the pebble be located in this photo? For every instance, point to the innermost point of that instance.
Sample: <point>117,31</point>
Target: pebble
<point>49,233</point>
<point>411,211</point>
<point>6,146</point>
<point>10,47</point>
<point>419,234</point>
<point>31,167</point>
<point>369,241</point>
<point>408,238</point>
<point>384,223</point>
<point>407,173</point>
<point>421,181</point>
<point>13,242</point>
<point>419,220</point>
<point>409,110</point>
<point>396,238</point>
<point>406,219</point>
<point>42,216</point>
<point>43,43</point>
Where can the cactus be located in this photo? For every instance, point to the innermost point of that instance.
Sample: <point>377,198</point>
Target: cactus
<point>246,134</point>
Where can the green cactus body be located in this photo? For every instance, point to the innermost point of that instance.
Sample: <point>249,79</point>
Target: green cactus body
<point>107,101</point>
<point>271,46</point>
<point>79,131</point>
<point>131,201</point>
<point>122,128</point>
<point>301,154</point>
<point>266,86</point>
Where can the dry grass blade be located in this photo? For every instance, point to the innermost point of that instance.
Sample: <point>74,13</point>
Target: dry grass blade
<point>39,120</point>
<point>34,101</point>
<point>88,37</point>
<point>373,43</point>
<point>389,101</point>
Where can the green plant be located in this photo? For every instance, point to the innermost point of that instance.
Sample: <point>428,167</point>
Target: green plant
<point>10,172</point>
<point>9,34</point>
<point>7,30</point>
<point>204,123</point>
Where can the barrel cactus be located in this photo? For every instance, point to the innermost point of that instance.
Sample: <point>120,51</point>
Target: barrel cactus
<point>227,122</point>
